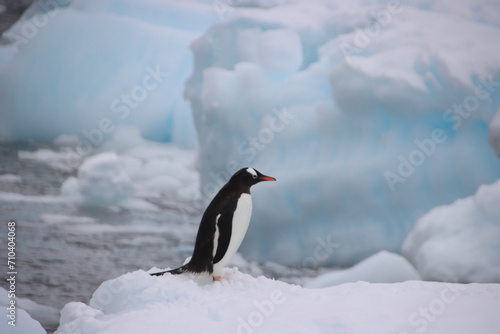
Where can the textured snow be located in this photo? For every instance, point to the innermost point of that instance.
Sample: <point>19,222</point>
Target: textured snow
<point>460,241</point>
<point>383,267</point>
<point>241,303</point>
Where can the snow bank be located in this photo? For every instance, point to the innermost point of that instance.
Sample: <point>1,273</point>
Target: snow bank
<point>136,302</point>
<point>24,323</point>
<point>383,267</point>
<point>461,241</point>
<point>368,120</point>
<point>90,66</point>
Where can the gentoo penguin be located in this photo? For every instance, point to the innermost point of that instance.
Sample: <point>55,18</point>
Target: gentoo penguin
<point>223,225</point>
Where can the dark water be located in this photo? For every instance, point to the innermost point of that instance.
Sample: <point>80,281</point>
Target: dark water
<point>59,260</point>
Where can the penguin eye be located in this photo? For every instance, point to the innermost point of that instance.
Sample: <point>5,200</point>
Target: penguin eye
<point>254,176</point>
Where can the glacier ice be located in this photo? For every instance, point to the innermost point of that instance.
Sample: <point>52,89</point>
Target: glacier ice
<point>87,67</point>
<point>376,113</point>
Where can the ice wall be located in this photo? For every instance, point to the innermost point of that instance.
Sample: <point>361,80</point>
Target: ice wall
<point>368,114</point>
<point>87,67</point>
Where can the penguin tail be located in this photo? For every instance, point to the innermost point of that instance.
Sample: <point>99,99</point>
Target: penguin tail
<point>176,271</point>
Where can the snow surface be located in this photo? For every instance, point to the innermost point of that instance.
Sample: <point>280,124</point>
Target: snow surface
<point>135,302</point>
<point>383,267</point>
<point>460,241</point>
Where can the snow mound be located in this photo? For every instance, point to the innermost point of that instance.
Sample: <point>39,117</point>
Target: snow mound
<point>366,112</point>
<point>459,242</point>
<point>135,302</point>
<point>383,267</point>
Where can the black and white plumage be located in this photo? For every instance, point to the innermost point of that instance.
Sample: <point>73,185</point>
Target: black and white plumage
<point>223,225</point>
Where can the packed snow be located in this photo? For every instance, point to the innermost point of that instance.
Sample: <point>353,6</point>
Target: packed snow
<point>460,241</point>
<point>241,304</point>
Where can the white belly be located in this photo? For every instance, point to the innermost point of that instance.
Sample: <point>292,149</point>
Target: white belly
<point>241,220</point>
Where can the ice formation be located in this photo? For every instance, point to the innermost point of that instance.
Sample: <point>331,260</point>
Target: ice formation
<point>460,241</point>
<point>87,67</point>
<point>376,113</point>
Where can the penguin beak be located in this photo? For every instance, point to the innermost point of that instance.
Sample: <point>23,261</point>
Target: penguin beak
<point>266,178</point>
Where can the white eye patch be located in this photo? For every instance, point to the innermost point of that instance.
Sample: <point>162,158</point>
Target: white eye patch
<point>252,172</point>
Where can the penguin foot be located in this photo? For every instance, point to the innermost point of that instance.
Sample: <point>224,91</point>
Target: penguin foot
<point>217,278</point>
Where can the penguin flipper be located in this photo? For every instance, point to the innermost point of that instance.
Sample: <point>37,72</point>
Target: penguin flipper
<point>175,271</point>
<point>225,223</point>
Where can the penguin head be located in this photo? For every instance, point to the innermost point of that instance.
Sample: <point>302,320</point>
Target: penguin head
<point>249,176</point>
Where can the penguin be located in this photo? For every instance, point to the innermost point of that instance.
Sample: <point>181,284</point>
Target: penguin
<point>223,225</point>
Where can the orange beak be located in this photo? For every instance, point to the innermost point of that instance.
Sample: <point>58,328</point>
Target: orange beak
<point>266,178</point>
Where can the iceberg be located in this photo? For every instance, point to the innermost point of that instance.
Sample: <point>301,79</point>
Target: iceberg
<point>87,67</point>
<point>459,242</point>
<point>369,115</point>
<point>244,304</point>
